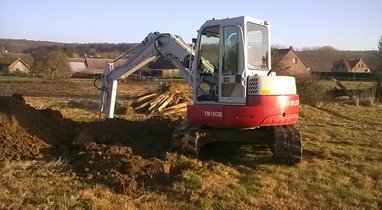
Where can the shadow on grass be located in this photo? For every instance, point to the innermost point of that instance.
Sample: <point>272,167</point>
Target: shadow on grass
<point>237,154</point>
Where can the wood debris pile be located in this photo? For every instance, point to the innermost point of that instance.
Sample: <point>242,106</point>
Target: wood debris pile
<point>167,99</point>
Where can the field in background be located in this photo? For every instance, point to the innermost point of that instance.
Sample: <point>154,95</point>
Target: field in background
<point>341,166</point>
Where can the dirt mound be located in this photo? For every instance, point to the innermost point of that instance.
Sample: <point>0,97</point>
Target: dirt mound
<point>127,156</point>
<point>47,124</point>
<point>16,142</point>
<point>25,132</point>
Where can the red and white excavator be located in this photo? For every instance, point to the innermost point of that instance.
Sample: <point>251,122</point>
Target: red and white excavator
<point>236,95</point>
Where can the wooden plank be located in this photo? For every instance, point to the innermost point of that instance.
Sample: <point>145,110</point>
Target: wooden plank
<point>148,92</point>
<point>181,105</point>
<point>144,104</point>
<point>167,101</point>
<point>172,111</point>
<point>155,108</point>
<point>145,98</point>
<point>155,103</point>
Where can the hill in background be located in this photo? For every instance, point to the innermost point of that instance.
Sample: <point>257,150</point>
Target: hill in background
<point>72,50</point>
<point>321,59</point>
<point>318,59</point>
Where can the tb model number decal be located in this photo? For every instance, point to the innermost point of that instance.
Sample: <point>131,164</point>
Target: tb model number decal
<point>213,114</point>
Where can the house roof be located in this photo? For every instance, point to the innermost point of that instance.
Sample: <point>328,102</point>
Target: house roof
<point>76,59</point>
<point>77,66</point>
<point>350,63</point>
<point>9,61</point>
<point>283,52</point>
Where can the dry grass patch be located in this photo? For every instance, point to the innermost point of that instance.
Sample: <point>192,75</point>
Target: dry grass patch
<point>38,184</point>
<point>341,168</point>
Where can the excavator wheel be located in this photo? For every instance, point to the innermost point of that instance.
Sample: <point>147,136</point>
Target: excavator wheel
<point>286,144</point>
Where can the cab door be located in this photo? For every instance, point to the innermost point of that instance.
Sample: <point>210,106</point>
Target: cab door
<point>231,83</point>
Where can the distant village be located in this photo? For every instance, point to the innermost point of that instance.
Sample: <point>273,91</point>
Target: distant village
<point>286,60</point>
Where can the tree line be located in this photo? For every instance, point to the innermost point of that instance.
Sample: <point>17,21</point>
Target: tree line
<point>72,50</point>
<point>321,59</point>
<point>50,58</point>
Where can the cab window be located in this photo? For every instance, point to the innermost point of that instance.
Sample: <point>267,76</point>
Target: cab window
<point>231,50</point>
<point>257,45</point>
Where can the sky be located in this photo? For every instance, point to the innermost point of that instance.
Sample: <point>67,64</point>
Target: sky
<point>342,24</point>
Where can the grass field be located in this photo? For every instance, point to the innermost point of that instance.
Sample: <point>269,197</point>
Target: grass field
<point>341,169</point>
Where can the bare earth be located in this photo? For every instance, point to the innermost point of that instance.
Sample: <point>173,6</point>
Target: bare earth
<point>123,154</point>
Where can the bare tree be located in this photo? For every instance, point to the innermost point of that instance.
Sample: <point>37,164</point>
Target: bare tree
<point>378,71</point>
<point>380,54</point>
<point>49,63</point>
<point>39,57</point>
<point>57,62</point>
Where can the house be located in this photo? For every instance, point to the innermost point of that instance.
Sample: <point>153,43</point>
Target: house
<point>97,65</point>
<point>354,65</point>
<point>287,62</point>
<point>13,66</point>
<point>77,64</point>
<point>89,67</point>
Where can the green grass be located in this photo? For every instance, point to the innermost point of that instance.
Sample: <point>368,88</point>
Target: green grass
<point>192,180</point>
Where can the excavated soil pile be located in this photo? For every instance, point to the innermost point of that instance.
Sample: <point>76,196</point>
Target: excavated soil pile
<point>25,132</point>
<point>127,156</point>
<point>16,142</point>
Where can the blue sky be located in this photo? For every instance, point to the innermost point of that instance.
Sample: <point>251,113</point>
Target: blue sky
<point>342,24</point>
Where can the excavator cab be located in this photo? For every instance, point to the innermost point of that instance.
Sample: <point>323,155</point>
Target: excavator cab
<point>227,52</point>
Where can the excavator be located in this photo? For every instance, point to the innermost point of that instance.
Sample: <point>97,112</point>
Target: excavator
<point>236,95</point>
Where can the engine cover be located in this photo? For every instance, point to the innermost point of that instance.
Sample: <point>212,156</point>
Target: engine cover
<point>271,85</point>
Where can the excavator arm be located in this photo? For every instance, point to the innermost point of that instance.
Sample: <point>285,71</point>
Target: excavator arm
<point>168,46</point>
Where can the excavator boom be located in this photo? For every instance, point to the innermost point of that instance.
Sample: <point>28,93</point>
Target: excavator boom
<point>168,46</point>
